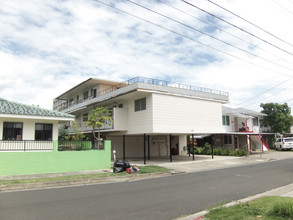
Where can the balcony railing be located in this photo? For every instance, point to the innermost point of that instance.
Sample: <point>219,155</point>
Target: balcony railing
<point>66,104</point>
<point>26,145</point>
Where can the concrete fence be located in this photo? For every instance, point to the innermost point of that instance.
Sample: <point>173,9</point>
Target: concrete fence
<point>21,163</point>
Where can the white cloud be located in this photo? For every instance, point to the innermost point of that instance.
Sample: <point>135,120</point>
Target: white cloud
<point>49,47</point>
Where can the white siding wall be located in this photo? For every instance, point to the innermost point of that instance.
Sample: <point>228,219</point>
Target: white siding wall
<point>185,115</point>
<point>120,118</point>
<point>28,131</point>
<point>140,122</point>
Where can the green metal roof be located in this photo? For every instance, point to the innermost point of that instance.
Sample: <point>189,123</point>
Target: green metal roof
<point>14,108</point>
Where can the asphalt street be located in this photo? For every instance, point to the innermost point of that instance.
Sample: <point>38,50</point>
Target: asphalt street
<point>158,198</point>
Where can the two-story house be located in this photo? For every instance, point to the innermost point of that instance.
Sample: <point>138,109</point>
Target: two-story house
<point>241,130</point>
<point>151,118</point>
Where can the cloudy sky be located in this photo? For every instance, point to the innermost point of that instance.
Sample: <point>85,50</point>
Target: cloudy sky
<point>47,47</point>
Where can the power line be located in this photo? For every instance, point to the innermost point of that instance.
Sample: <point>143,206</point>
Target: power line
<point>265,91</point>
<point>251,22</point>
<point>274,94</point>
<point>188,3</point>
<point>284,8</point>
<point>215,38</point>
<point>220,29</point>
<point>186,37</point>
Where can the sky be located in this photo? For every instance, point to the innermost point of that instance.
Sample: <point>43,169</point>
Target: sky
<point>48,47</point>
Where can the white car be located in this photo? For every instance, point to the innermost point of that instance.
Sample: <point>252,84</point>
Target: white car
<point>284,143</point>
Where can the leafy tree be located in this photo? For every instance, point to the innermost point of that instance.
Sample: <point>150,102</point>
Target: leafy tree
<point>62,134</point>
<point>77,134</point>
<point>278,118</point>
<point>97,118</point>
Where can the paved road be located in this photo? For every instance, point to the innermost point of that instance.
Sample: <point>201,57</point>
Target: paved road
<point>158,198</point>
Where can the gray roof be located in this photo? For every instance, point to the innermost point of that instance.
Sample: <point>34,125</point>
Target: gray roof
<point>14,108</point>
<point>247,112</point>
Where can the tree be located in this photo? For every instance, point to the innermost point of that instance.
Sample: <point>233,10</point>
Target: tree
<point>77,133</point>
<point>97,118</point>
<point>278,118</point>
<point>62,134</point>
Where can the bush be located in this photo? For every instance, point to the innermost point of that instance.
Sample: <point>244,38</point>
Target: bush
<point>207,150</point>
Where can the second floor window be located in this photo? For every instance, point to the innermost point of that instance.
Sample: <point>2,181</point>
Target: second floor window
<point>226,120</point>
<point>86,95</point>
<point>255,121</point>
<point>85,117</point>
<point>140,104</point>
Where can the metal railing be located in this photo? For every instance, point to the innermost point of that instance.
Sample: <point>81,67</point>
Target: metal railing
<point>25,145</point>
<point>65,145</point>
<point>151,81</point>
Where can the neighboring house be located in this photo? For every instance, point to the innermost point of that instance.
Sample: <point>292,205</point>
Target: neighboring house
<point>241,130</point>
<point>25,127</point>
<point>151,118</point>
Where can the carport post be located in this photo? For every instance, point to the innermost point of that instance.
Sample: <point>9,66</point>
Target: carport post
<point>149,149</point>
<point>170,147</point>
<point>144,149</point>
<point>192,146</point>
<point>123,147</point>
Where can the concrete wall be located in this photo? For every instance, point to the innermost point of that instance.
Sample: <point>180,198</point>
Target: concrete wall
<point>28,130</point>
<point>19,163</point>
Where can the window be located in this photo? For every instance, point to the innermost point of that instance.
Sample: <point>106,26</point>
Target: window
<point>226,120</point>
<point>77,99</point>
<point>93,93</point>
<point>12,131</point>
<point>70,102</point>
<point>255,121</point>
<point>140,104</point>
<point>43,132</point>
<point>85,117</point>
<point>227,139</point>
<point>85,95</point>
<point>120,106</point>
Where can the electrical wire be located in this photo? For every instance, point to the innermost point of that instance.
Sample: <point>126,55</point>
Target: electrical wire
<point>253,35</point>
<point>215,38</point>
<point>274,94</point>
<point>186,37</point>
<point>222,30</point>
<point>251,22</point>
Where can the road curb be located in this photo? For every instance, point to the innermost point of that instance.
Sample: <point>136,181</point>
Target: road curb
<point>79,182</point>
<point>281,191</point>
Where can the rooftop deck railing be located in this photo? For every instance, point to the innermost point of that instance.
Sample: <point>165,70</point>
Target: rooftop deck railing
<point>151,81</point>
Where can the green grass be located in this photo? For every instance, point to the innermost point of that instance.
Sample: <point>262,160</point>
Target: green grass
<point>142,170</point>
<point>266,208</point>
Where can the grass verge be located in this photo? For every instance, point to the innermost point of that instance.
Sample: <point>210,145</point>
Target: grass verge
<point>266,208</point>
<point>142,170</point>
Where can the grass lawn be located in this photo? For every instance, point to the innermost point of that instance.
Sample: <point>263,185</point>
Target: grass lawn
<point>267,208</point>
<point>142,170</point>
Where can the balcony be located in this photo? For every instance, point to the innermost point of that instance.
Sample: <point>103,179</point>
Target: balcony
<point>119,123</point>
<point>143,83</point>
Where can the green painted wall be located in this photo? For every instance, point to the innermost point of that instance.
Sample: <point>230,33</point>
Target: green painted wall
<point>18,163</point>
